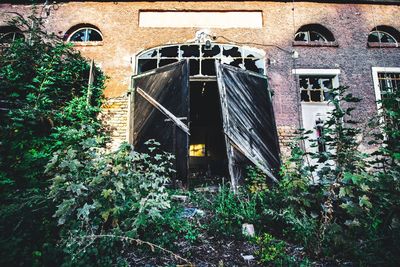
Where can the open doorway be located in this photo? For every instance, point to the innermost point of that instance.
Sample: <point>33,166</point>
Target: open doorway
<point>208,163</point>
<point>211,109</point>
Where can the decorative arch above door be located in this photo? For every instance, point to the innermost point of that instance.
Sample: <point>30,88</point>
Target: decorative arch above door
<point>202,58</point>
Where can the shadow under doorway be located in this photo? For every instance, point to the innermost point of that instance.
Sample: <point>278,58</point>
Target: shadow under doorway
<point>208,163</point>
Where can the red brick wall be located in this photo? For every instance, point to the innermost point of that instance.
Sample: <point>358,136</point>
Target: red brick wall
<point>350,23</point>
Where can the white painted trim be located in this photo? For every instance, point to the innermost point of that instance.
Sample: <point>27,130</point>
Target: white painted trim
<point>320,72</point>
<point>316,71</point>
<point>375,71</point>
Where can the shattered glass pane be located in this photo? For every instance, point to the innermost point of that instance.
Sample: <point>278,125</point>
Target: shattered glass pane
<point>304,82</point>
<point>260,65</point>
<point>150,54</point>
<point>146,65</point>
<point>317,37</point>
<point>304,96</point>
<point>237,62</point>
<point>373,37</point>
<point>190,51</point>
<point>380,36</point>
<point>232,51</point>
<point>169,51</point>
<point>251,53</point>
<point>194,67</point>
<point>214,51</point>
<point>327,96</point>
<point>315,83</point>
<point>386,38</point>
<point>315,96</point>
<point>250,64</point>
<point>327,83</point>
<point>164,62</point>
<point>228,54</point>
<point>301,36</point>
<point>208,67</point>
<point>79,36</point>
<point>93,35</point>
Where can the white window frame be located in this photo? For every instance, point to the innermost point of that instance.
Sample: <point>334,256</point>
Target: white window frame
<point>323,106</point>
<point>308,36</point>
<point>318,72</point>
<point>86,35</point>
<point>375,78</point>
<point>380,33</point>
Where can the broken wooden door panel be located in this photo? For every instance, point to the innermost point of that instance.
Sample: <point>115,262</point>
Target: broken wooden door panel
<point>161,101</point>
<point>248,118</point>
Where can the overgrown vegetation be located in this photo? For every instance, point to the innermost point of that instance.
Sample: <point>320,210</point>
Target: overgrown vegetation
<point>66,200</point>
<point>346,206</point>
<point>44,98</point>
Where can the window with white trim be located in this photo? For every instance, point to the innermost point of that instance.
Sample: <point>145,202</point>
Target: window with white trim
<point>315,88</point>
<point>314,85</point>
<point>386,79</point>
<point>384,36</point>
<point>202,57</point>
<point>313,33</point>
<point>84,34</point>
<point>381,37</point>
<point>388,82</point>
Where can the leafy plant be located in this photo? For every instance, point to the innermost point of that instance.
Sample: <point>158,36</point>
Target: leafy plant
<point>233,209</point>
<point>44,103</point>
<point>337,207</point>
<point>256,181</point>
<point>271,251</point>
<point>100,193</point>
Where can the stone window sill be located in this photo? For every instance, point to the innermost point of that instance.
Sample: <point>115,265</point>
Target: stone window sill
<point>316,44</point>
<point>91,43</point>
<point>382,45</point>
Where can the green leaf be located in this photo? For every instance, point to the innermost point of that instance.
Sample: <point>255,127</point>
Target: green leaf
<point>365,202</point>
<point>84,212</point>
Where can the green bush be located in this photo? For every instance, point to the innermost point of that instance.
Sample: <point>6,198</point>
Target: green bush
<point>271,251</point>
<point>347,207</point>
<point>44,89</point>
<point>102,194</point>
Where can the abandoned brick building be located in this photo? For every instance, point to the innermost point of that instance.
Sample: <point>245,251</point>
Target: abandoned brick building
<point>198,75</point>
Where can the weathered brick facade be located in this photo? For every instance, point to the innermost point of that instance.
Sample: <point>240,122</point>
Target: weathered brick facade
<point>115,113</point>
<point>123,39</point>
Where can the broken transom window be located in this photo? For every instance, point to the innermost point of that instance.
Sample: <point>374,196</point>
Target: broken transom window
<point>202,58</point>
<point>381,37</point>
<point>310,36</point>
<point>384,35</point>
<point>314,33</point>
<point>315,88</point>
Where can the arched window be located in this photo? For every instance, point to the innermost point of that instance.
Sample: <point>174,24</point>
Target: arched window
<point>314,33</point>
<point>10,34</point>
<point>384,35</point>
<point>202,57</point>
<point>84,33</point>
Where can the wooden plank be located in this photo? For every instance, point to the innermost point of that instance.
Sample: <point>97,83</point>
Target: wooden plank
<point>163,110</point>
<point>249,124</point>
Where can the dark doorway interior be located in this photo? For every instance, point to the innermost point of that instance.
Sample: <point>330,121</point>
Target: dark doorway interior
<point>207,152</point>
